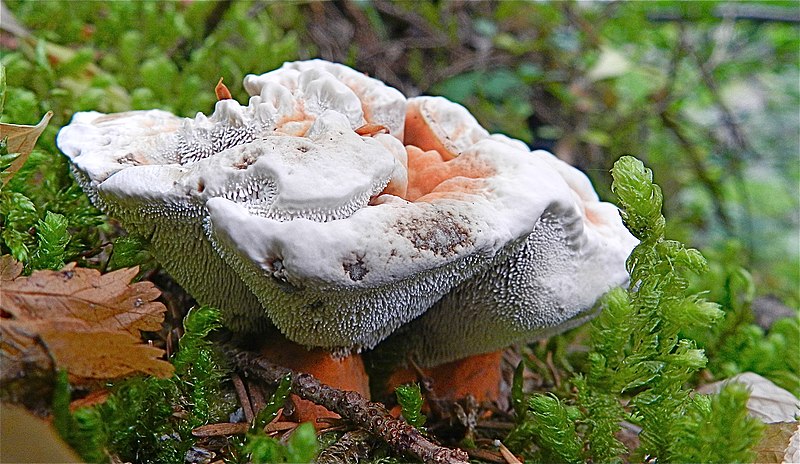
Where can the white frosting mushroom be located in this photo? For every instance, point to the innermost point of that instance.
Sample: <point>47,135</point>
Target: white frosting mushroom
<point>348,212</point>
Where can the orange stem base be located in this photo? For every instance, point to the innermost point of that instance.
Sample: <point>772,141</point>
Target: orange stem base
<point>345,374</point>
<point>480,376</point>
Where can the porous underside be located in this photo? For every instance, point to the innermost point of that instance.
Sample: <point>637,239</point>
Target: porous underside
<point>534,288</point>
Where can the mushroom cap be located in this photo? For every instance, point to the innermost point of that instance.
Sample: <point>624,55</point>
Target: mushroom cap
<point>149,155</point>
<point>350,213</point>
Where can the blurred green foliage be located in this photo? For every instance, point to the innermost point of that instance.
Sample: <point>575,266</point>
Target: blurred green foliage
<point>709,102</point>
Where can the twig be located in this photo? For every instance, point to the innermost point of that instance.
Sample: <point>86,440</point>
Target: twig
<point>553,370</point>
<point>352,447</point>
<point>494,425</point>
<point>507,454</point>
<point>758,13</point>
<point>241,392</point>
<point>728,118</point>
<point>741,141</point>
<point>222,429</point>
<point>370,416</point>
<point>486,455</point>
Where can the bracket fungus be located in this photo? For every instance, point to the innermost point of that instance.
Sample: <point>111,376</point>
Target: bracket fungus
<point>341,212</point>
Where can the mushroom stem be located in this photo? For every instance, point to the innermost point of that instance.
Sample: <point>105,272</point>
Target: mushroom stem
<point>346,374</point>
<point>352,406</point>
<point>480,376</point>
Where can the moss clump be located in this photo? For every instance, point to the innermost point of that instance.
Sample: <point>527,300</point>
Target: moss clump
<point>638,357</point>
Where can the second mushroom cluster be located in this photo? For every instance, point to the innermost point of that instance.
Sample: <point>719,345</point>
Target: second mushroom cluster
<point>351,217</point>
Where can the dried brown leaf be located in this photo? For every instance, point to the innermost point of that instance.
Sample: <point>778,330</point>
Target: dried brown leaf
<point>105,301</point>
<point>81,320</point>
<point>10,268</point>
<point>100,354</point>
<point>775,442</point>
<point>21,139</point>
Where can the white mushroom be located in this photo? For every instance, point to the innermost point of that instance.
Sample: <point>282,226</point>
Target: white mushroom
<point>346,234</point>
<point>137,166</point>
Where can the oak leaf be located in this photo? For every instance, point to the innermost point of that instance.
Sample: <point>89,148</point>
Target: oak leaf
<point>21,139</point>
<point>79,320</point>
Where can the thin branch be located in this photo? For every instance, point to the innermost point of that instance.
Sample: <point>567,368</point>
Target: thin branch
<point>244,399</point>
<point>370,416</point>
<point>751,12</point>
<point>742,144</point>
<point>352,447</point>
<point>728,118</point>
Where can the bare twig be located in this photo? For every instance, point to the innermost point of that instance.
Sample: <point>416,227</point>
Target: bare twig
<point>486,455</point>
<point>352,447</point>
<point>728,118</point>
<point>507,454</point>
<point>244,399</point>
<point>221,429</point>
<point>553,369</point>
<point>370,416</point>
<point>752,12</point>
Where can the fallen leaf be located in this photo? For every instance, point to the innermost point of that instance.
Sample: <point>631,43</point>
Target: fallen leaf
<point>21,139</point>
<point>768,402</point>
<point>100,354</point>
<point>776,443</point>
<point>81,320</point>
<point>21,429</point>
<point>9,268</point>
<point>105,301</point>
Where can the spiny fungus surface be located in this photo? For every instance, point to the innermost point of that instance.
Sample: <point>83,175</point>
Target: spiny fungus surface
<point>340,211</point>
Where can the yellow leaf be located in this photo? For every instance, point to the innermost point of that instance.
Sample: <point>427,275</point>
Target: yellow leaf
<point>81,320</point>
<point>21,139</point>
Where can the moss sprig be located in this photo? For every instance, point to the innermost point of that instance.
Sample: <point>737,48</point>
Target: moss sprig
<point>639,357</point>
<point>410,398</point>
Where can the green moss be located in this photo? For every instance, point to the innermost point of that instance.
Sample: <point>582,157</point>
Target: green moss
<point>52,235</point>
<point>410,399</point>
<point>302,445</point>
<point>717,429</point>
<point>149,420</point>
<point>638,357</point>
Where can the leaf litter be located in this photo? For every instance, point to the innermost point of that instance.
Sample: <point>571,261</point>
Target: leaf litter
<point>79,320</point>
